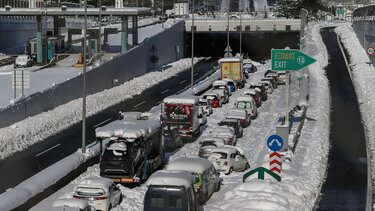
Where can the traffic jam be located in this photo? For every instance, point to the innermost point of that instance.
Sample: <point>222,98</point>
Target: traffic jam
<point>142,147</point>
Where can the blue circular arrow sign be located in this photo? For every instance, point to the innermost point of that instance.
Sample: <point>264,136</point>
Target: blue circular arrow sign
<point>275,142</point>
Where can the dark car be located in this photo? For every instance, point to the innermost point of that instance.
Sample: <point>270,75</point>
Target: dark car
<point>262,90</point>
<point>255,94</point>
<point>233,123</point>
<point>272,80</point>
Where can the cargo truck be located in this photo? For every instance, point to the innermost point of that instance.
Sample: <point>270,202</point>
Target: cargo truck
<point>135,149</point>
<point>231,67</point>
<point>182,112</point>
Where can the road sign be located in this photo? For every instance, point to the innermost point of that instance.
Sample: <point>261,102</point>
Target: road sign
<point>275,163</point>
<point>289,60</point>
<point>370,51</point>
<point>275,142</point>
<point>260,173</point>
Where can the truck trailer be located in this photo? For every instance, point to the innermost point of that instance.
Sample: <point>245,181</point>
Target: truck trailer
<point>231,67</point>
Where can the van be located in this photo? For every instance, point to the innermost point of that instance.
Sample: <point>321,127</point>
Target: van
<point>247,103</point>
<point>170,190</point>
<point>207,180</point>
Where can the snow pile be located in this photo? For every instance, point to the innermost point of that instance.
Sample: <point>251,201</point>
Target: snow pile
<point>363,78</point>
<point>19,136</point>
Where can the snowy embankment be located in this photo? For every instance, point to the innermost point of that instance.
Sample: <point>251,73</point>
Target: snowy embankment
<point>363,78</point>
<point>21,135</point>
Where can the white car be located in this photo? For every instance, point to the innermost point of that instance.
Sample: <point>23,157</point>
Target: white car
<point>223,93</point>
<point>208,144</point>
<point>222,84</point>
<point>224,132</point>
<point>101,193</point>
<point>241,114</point>
<point>23,61</point>
<point>71,204</point>
<point>248,103</point>
<point>206,106</point>
<point>228,159</point>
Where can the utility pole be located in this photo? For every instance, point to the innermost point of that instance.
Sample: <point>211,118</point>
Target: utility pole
<point>84,84</point>
<point>100,32</point>
<point>192,48</point>
<point>240,33</point>
<point>228,34</point>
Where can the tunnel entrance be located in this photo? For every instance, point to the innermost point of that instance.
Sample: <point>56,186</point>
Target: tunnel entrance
<point>257,45</point>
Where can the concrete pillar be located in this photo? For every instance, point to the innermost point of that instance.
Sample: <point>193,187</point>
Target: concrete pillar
<point>56,25</point>
<point>39,50</point>
<point>135,30</point>
<point>124,34</point>
<point>119,4</point>
<point>32,4</point>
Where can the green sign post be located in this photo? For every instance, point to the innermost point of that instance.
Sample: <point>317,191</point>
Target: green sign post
<point>289,60</point>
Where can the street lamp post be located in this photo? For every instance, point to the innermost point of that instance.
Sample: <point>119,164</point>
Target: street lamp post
<point>192,48</point>
<point>228,35</point>
<point>84,83</point>
<point>100,32</point>
<point>240,32</point>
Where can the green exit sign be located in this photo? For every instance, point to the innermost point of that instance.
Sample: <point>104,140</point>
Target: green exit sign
<point>289,60</point>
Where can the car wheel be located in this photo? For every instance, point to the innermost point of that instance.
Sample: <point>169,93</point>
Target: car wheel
<point>230,171</point>
<point>247,166</point>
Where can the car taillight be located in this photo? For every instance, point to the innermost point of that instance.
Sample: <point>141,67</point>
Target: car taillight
<point>230,141</point>
<point>253,111</point>
<point>222,97</point>
<point>201,188</point>
<point>77,197</point>
<point>100,198</point>
<point>242,121</point>
<point>225,163</point>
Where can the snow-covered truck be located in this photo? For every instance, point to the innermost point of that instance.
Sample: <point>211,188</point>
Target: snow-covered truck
<point>135,150</point>
<point>231,67</point>
<point>182,112</point>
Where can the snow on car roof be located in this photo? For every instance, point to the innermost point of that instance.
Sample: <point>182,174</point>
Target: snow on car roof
<point>221,130</point>
<point>170,178</point>
<point>264,82</point>
<point>244,98</point>
<point>98,182</point>
<point>247,61</point>
<point>230,59</point>
<point>194,165</point>
<point>249,92</point>
<point>210,94</point>
<point>218,91</point>
<point>181,99</point>
<point>225,149</point>
<point>228,79</point>
<point>128,128</point>
<point>119,146</point>
<point>220,83</point>
<point>236,114</point>
<point>239,149</point>
<point>71,202</point>
<point>220,140</point>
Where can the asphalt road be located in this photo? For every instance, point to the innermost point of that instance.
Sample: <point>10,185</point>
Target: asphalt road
<point>346,182</point>
<point>23,165</point>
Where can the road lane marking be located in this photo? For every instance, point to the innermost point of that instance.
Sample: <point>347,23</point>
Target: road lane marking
<point>182,82</point>
<point>102,123</point>
<point>139,104</point>
<point>164,91</point>
<point>47,150</point>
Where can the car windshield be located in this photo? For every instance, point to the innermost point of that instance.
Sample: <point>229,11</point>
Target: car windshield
<point>202,103</point>
<point>230,83</point>
<point>219,155</point>
<point>244,105</point>
<point>209,143</point>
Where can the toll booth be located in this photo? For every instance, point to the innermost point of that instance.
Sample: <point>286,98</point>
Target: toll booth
<point>54,45</point>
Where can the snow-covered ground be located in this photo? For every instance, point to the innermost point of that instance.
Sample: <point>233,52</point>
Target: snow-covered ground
<point>363,77</point>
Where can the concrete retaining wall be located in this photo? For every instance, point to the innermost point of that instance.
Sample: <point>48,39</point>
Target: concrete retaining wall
<point>164,48</point>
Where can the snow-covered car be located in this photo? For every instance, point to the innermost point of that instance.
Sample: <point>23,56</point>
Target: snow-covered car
<point>248,66</point>
<point>202,116</point>
<point>241,114</point>
<point>255,94</point>
<point>222,84</point>
<point>247,103</point>
<point>224,132</point>
<point>208,144</point>
<point>268,86</point>
<point>23,61</point>
<point>172,138</point>
<point>232,85</point>
<point>223,94</point>
<point>228,159</point>
<point>206,179</point>
<point>261,89</point>
<point>206,106</point>
<point>101,193</point>
<point>233,123</point>
<point>272,80</point>
<point>214,99</point>
<point>71,204</point>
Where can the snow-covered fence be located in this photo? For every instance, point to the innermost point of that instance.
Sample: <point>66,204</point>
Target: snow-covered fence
<point>163,48</point>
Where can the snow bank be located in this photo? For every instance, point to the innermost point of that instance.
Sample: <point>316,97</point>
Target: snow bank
<point>363,79</point>
<point>21,135</point>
